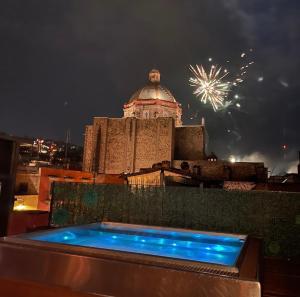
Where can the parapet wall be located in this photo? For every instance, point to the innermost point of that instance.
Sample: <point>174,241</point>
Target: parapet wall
<point>223,170</point>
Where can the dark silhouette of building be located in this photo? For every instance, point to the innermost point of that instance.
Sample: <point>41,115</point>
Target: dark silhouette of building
<point>8,163</point>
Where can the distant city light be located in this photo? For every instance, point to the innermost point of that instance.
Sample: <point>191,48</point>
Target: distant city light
<point>260,79</point>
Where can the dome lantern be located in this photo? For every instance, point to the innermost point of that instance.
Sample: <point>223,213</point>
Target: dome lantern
<point>154,76</point>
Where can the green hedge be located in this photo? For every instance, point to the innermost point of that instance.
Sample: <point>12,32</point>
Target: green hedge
<point>273,216</point>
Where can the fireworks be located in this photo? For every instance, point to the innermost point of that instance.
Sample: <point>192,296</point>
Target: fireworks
<point>209,86</point>
<point>284,83</point>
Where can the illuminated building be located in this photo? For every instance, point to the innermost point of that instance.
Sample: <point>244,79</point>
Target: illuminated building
<point>150,131</point>
<point>151,146</point>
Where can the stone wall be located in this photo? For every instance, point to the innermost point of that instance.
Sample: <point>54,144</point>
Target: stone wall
<point>113,146</point>
<point>241,171</point>
<point>212,170</point>
<point>87,164</point>
<point>154,142</point>
<point>189,143</point>
<point>116,142</point>
<point>247,171</point>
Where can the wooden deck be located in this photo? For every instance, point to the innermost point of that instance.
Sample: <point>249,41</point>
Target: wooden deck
<point>281,278</point>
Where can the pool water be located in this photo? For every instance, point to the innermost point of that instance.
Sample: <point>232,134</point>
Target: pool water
<point>171,243</point>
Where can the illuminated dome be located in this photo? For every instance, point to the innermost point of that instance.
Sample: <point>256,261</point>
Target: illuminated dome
<point>153,90</point>
<point>152,101</point>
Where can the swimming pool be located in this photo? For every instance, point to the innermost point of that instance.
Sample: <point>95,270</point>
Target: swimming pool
<point>221,249</point>
<point>114,259</point>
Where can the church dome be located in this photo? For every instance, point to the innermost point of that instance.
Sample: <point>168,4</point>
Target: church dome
<point>153,90</point>
<point>153,101</point>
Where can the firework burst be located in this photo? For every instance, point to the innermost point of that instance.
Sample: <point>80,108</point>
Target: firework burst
<point>209,86</point>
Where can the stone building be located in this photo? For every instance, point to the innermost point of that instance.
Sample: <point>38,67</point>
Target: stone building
<point>209,174</point>
<point>150,132</point>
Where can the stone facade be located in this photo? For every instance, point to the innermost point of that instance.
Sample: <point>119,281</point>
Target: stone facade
<point>151,109</point>
<point>224,170</point>
<point>190,143</point>
<point>89,150</point>
<point>117,145</point>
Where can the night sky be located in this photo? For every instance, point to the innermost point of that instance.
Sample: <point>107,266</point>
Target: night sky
<point>63,62</point>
